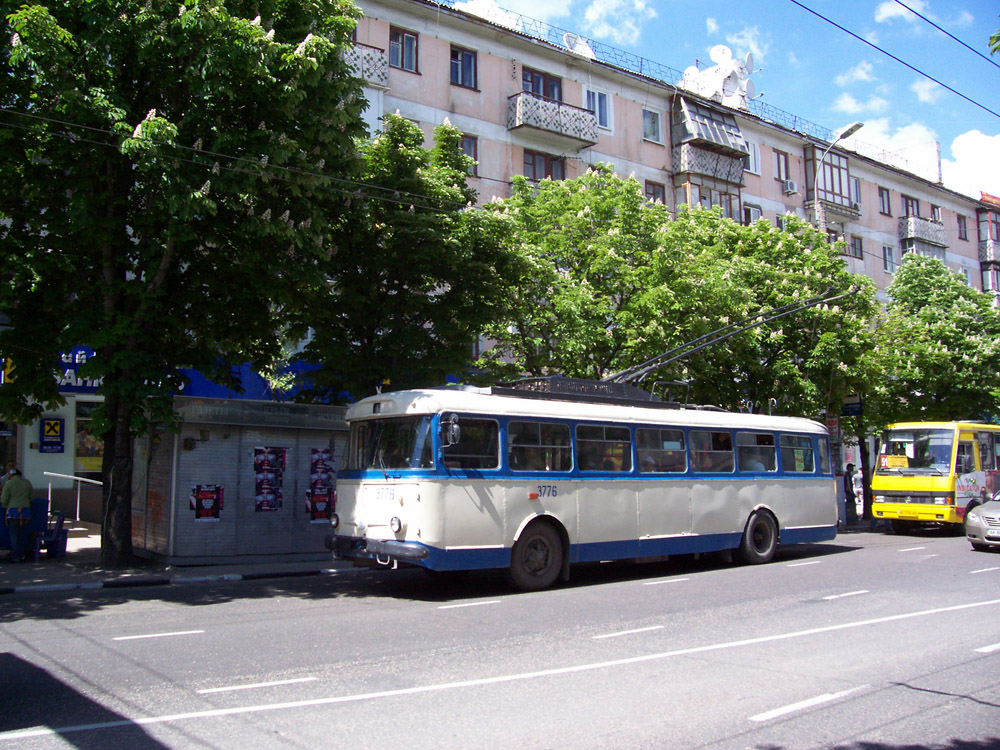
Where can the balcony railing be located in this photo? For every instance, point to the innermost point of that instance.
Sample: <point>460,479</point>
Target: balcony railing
<point>989,252</point>
<point>925,230</point>
<point>370,64</point>
<point>571,124</point>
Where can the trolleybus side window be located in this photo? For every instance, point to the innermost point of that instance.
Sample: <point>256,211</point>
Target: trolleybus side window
<point>711,451</point>
<point>755,451</point>
<point>797,454</point>
<point>603,448</point>
<point>824,455</point>
<point>660,450</point>
<point>477,448</point>
<point>539,446</point>
<point>987,451</point>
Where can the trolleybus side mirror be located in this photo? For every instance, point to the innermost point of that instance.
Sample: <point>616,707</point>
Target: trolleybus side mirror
<point>451,433</point>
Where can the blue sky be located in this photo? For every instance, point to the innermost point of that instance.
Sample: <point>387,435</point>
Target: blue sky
<point>814,70</point>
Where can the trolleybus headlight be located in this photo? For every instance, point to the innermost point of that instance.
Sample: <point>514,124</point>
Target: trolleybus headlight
<point>395,524</point>
<point>335,520</point>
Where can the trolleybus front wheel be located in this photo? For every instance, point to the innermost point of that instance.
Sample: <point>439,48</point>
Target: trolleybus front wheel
<point>760,538</point>
<point>537,557</point>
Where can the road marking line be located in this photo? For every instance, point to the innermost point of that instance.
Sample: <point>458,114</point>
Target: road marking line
<point>849,593</point>
<point>47,731</point>
<point>156,635</point>
<point>988,649</point>
<point>983,570</point>
<point>256,685</point>
<point>667,580</point>
<point>818,700</point>
<point>469,604</point>
<point>627,632</point>
<point>799,565</point>
<point>911,549</point>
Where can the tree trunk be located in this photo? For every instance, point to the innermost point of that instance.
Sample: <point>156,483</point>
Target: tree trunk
<point>116,532</point>
<point>866,475</point>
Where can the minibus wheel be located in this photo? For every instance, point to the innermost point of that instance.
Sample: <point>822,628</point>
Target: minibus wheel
<point>760,538</point>
<point>537,557</point>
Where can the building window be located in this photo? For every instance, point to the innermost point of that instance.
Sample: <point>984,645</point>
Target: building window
<point>751,214</point>
<point>989,226</point>
<point>541,84</point>
<point>884,202</point>
<point>991,279</point>
<point>463,67</point>
<point>470,147</point>
<point>936,214</point>
<point>651,130</point>
<point>781,166</point>
<point>963,228</point>
<point>599,103</point>
<point>832,236</point>
<point>403,49</point>
<point>888,259</point>
<point>857,248</point>
<point>911,206</point>
<point>751,162</point>
<point>538,166</point>
<point>656,192</point>
<point>856,191</point>
<point>833,183</point>
<point>89,454</point>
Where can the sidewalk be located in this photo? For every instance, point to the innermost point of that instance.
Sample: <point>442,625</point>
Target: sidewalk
<point>80,569</point>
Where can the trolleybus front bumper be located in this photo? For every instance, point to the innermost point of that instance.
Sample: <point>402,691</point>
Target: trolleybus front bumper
<point>362,548</point>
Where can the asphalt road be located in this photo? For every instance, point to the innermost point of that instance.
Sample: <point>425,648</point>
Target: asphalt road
<point>869,642</point>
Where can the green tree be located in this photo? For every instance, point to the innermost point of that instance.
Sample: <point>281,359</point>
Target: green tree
<point>995,42</point>
<point>165,194</point>
<point>940,345</point>
<point>415,274</point>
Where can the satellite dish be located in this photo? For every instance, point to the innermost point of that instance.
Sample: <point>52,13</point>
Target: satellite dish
<point>751,90</point>
<point>578,45</point>
<point>720,53</point>
<point>749,63</point>
<point>730,85</point>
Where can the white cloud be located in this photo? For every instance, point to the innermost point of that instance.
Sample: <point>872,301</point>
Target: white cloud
<point>860,72</point>
<point>748,40</point>
<point>850,105</point>
<point>915,146</point>
<point>508,15</point>
<point>927,91</point>
<point>964,18</point>
<point>793,60</point>
<point>975,167</point>
<point>890,10</point>
<point>711,25</point>
<point>621,21</point>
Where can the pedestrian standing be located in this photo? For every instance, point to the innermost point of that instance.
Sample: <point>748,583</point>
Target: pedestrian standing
<point>16,501</point>
<point>851,515</point>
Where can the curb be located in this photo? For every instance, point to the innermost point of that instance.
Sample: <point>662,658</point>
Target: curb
<point>143,582</point>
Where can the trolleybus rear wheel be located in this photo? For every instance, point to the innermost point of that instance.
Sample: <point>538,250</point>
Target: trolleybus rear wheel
<point>537,558</point>
<point>760,538</point>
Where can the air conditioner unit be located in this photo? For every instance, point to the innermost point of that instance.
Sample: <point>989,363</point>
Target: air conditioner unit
<point>790,187</point>
<point>856,206</point>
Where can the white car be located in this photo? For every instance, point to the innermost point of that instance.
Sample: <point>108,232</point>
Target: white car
<point>982,525</point>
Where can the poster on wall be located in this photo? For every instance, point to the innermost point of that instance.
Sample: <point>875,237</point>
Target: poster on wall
<point>319,498</point>
<point>269,468</point>
<point>206,501</point>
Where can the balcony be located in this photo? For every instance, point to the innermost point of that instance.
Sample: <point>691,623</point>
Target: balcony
<point>559,125</point>
<point>989,252</point>
<point>922,230</point>
<point>370,64</point>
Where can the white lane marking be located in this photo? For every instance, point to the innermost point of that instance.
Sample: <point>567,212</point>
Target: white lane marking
<point>156,635</point>
<point>849,593</point>
<point>988,649</point>
<point>818,700</point>
<point>256,685</point>
<point>799,565</point>
<point>627,632</point>
<point>19,734</point>
<point>982,570</point>
<point>666,580</point>
<point>468,604</point>
<point>911,549</point>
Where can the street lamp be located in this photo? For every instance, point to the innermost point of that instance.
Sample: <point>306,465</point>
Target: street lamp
<point>820,211</point>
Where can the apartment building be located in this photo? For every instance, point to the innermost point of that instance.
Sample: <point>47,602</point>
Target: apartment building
<point>538,101</point>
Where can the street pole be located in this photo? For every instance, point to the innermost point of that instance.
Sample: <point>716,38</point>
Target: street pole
<point>817,205</point>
